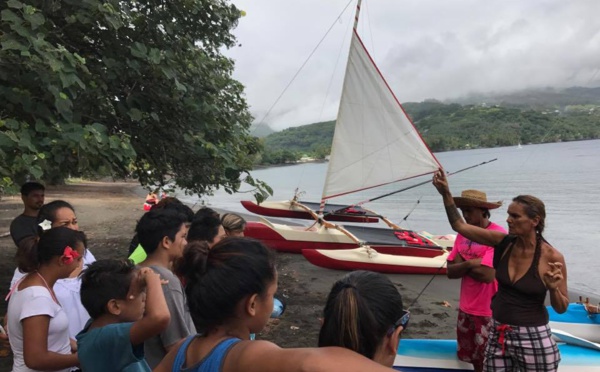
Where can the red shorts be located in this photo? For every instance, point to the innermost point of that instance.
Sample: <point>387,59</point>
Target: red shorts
<point>472,332</point>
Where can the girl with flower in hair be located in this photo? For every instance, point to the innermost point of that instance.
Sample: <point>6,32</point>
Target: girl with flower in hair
<point>38,326</point>
<point>58,213</point>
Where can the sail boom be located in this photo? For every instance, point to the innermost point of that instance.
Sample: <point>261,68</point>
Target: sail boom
<point>375,186</point>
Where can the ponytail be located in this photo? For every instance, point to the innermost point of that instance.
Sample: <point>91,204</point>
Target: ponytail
<point>360,309</point>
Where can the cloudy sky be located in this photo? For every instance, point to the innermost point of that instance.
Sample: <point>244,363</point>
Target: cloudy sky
<point>425,48</point>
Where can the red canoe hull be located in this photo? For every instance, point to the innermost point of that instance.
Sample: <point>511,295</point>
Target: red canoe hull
<point>273,239</point>
<point>318,259</point>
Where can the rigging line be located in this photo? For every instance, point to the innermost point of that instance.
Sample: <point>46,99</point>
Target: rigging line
<point>369,27</point>
<point>304,64</point>
<point>412,210</point>
<point>334,69</point>
<point>426,285</point>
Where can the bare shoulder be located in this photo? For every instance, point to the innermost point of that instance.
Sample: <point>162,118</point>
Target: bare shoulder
<point>551,254</point>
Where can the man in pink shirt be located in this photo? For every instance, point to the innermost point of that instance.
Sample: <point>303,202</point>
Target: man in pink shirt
<point>473,263</point>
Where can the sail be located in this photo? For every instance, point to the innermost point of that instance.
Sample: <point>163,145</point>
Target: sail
<point>374,143</point>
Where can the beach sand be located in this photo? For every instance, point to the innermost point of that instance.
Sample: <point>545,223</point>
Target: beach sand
<point>108,211</point>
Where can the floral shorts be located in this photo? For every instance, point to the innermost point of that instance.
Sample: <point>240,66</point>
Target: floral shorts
<point>472,333</point>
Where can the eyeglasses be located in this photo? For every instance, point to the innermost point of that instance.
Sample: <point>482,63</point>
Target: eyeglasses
<point>403,321</point>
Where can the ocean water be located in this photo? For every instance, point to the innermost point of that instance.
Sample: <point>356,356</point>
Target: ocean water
<point>566,176</point>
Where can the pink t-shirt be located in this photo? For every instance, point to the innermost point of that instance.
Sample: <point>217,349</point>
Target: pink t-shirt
<point>475,296</point>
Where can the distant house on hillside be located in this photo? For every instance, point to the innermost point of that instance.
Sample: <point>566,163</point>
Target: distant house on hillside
<point>306,159</point>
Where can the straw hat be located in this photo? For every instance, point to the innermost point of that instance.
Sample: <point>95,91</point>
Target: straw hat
<point>475,198</point>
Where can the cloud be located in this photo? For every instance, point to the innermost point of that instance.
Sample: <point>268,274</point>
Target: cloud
<point>424,48</point>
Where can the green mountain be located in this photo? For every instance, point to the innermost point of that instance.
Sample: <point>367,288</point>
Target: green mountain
<point>533,116</point>
<point>261,130</point>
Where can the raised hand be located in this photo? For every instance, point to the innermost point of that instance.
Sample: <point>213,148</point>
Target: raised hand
<point>554,275</point>
<point>440,182</point>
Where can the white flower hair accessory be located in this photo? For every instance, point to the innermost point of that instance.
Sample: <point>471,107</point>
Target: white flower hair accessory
<point>45,225</point>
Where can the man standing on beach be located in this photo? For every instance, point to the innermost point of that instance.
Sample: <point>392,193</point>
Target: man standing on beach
<point>32,194</point>
<point>473,263</point>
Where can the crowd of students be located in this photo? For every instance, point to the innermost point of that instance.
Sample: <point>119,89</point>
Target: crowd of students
<point>68,311</point>
<point>195,291</point>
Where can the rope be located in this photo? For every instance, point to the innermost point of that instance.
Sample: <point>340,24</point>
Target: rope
<point>303,64</point>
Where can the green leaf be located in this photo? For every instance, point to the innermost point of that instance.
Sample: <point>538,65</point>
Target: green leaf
<point>14,45</point>
<point>135,114</point>
<point>154,56</point>
<point>12,124</point>
<point>15,4</point>
<point>36,171</point>
<point>28,10</point>
<point>35,19</point>
<point>138,50</point>
<point>180,87</point>
<point>11,17</point>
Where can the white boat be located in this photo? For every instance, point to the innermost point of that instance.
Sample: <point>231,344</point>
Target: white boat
<point>577,320</point>
<point>374,144</point>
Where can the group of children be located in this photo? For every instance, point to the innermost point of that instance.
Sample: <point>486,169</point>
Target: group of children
<point>130,317</point>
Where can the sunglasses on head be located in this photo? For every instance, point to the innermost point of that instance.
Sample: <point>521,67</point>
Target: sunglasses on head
<point>403,321</point>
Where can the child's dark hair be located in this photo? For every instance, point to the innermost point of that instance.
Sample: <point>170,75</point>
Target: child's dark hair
<point>155,225</point>
<point>50,244</point>
<point>175,204</point>
<point>103,281</point>
<point>205,225</point>
<point>217,279</point>
<point>360,309</point>
<point>28,187</point>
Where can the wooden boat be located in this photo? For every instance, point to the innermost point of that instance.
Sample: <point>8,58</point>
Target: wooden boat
<point>291,209</point>
<point>293,239</point>
<point>418,355</point>
<point>581,319</point>
<point>368,259</point>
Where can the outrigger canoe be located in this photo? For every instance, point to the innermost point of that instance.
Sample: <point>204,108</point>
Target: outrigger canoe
<point>293,239</point>
<point>291,209</point>
<point>368,259</point>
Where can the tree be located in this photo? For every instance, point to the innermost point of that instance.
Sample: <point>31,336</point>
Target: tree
<point>131,86</point>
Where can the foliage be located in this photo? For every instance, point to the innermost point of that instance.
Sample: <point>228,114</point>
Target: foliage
<point>135,87</point>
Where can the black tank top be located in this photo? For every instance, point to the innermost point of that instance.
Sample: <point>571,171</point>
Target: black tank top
<point>520,303</point>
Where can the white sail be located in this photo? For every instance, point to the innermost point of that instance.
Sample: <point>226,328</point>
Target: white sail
<point>375,143</point>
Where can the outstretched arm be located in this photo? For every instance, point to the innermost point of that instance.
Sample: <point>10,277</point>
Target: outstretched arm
<point>474,233</point>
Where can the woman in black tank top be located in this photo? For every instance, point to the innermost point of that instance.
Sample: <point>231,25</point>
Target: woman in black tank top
<point>527,267</point>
